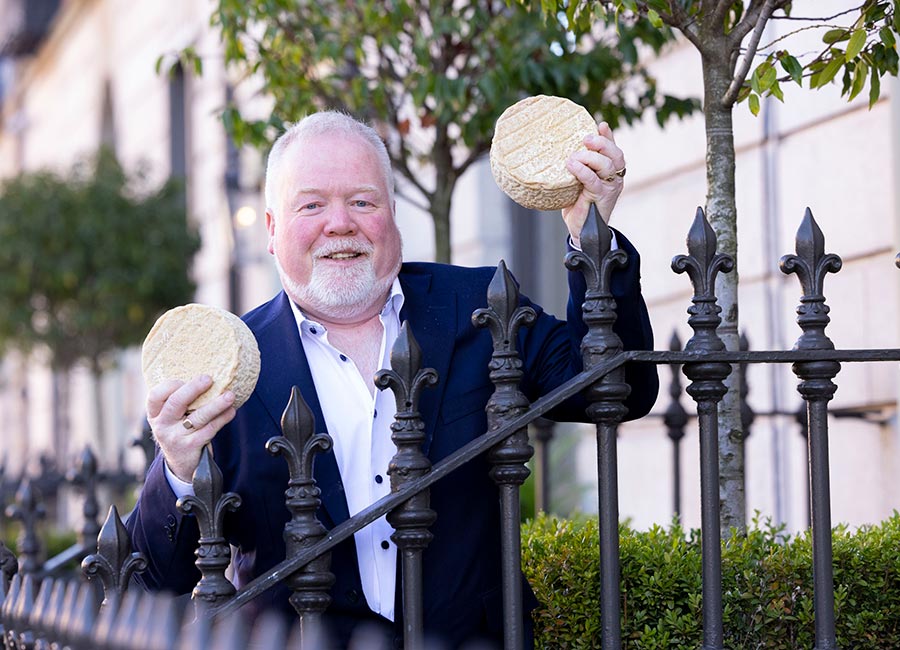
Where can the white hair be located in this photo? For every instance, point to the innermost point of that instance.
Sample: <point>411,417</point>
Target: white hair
<point>323,123</point>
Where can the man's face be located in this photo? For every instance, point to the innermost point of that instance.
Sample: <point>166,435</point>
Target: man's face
<point>333,234</point>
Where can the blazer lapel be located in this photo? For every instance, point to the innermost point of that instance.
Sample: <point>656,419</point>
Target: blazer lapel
<point>432,318</point>
<point>284,365</point>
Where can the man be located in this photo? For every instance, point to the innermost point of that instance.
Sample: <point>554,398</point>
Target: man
<point>330,219</point>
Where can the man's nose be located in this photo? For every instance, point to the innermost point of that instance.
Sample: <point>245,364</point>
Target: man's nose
<point>340,222</point>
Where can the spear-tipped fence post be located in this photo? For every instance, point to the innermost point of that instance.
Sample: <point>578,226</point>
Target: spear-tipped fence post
<point>84,476</point>
<point>9,566</point>
<point>596,261</point>
<point>411,520</point>
<point>299,445</point>
<point>675,418</point>
<point>209,505</point>
<point>114,562</point>
<point>28,509</point>
<point>504,316</point>
<point>702,264</point>
<point>811,263</point>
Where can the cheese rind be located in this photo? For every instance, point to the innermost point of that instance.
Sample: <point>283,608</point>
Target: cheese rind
<point>532,140</point>
<point>200,339</point>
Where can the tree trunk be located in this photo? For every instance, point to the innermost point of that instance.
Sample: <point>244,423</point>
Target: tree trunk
<point>97,375</point>
<point>444,181</point>
<point>721,211</point>
<point>440,212</point>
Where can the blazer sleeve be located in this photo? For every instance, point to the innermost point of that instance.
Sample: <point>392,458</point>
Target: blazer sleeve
<point>166,537</point>
<point>552,349</point>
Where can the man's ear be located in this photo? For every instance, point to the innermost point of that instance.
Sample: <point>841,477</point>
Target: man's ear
<point>270,227</point>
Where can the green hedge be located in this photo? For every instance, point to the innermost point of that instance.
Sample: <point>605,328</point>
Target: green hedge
<point>767,586</point>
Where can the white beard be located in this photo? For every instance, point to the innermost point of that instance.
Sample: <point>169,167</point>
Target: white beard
<point>338,293</point>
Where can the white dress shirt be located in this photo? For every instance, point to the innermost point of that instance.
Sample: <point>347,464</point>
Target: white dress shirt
<point>360,426</point>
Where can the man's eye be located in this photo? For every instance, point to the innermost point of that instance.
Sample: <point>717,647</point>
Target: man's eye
<point>360,203</point>
<point>309,206</point>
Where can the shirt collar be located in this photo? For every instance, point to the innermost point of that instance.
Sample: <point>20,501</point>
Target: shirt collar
<point>392,306</point>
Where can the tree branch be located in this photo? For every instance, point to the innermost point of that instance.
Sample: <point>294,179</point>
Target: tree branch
<point>758,24</point>
<point>824,18</point>
<point>685,24</point>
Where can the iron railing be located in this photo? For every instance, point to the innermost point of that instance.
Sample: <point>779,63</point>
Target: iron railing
<point>76,617</point>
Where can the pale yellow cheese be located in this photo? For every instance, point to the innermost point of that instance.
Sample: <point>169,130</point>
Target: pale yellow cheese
<point>532,140</point>
<point>199,339</point>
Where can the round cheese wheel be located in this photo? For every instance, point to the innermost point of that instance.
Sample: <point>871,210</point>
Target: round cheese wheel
<point>199,339</point>
<point>532,140</point>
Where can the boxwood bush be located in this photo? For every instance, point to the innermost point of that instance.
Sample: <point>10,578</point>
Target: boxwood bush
<point>766,580</point>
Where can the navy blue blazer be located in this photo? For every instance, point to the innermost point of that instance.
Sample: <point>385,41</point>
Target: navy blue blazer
<point>462,567</point>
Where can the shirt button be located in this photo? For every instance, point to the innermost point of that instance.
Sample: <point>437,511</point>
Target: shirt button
<point>343,357</point>
<point>313,330</point>
<point>376,414</point>
<point>385,545</point>
<point>379,479</point>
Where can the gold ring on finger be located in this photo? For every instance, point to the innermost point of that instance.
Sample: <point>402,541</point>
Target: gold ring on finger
<point>618,173</point>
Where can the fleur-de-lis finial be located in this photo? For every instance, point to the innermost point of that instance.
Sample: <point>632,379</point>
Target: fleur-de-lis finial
<point>504,316</point>
<point>85,476</point>
<point>28,509</point>
<point>406,377</point>
<point>702,264</point>
<point>210,505</point>
<point>595,260</point>
<point>299,445</point>
<point>811,263</point>
<point>114,563</point>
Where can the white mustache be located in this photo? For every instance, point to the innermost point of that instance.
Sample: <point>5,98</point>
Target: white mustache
<point>343,246</point>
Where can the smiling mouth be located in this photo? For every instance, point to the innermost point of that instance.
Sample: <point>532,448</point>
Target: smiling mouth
<point>343,256</point>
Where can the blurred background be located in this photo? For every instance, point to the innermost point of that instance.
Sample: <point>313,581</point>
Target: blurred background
<point>112,136</point>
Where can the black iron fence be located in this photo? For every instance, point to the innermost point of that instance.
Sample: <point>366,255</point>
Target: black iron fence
<point>38,611</point>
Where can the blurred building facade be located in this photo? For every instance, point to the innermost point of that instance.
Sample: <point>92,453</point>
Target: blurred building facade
<point>88,77</point>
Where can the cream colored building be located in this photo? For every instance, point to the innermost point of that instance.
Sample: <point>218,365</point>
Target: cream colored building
<point>92,80</point>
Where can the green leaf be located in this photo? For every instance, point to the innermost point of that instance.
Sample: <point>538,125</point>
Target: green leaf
<point>754,81</point>
<point>776,92</point>
<point>828,72</point>
<point>874,88</point>
<point>859,80</point>
<point>856,43</point>
<point>768,78</point>
<point>887,37</point>
<point>792,66</point>
<point>833,36</point>
<point>754,103</point>
<point>654,19</point>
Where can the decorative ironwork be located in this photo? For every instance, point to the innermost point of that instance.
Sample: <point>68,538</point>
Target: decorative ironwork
<point>41,613</point>
<point>213,554</point>
<point>85,477</point>
<point>504,316</point>
<point>21,612</point>
<point>9,565</point>
<point>114,562</point>
<point>817,388</point>
<point>410,520</point>
<point>28,509</point>
<point>78,621</point>
<point>606,409</point>
<point>675,419</point>
<point>702,264</point>
<point>146,444</point>
<point>299,445</point>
